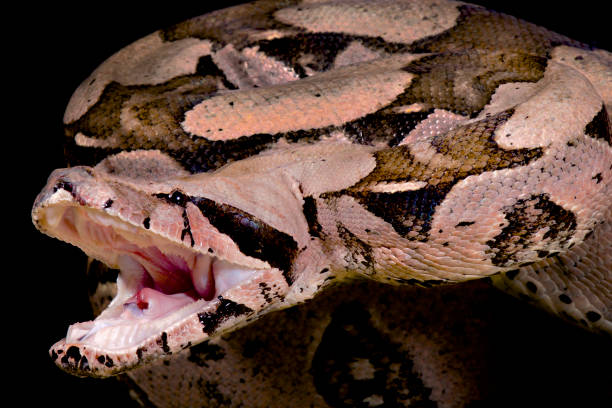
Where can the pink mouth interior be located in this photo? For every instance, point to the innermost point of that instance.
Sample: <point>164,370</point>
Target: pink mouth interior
<point>157,277</point>
<point>168,282</point>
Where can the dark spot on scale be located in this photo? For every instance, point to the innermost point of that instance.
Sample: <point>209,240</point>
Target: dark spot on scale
<point>265,291</point>
<point>108,204</point>
<point>324,270</point>
<point>210,250</point>
<point>225,310</point>
<point>147,223</point>
<point>465,223</point>
<point>140,352</point>
<point>63,185</point>
<point>186,228</point>
<point>600,127</point>
<point>565,299</point>
<point>84,364</point>
<point>162,342</point>
<point>309,208</point>
<point>73,353</point>
<point>578,57</point>
<point>597,177</point>
<point>588,235</point>
<point>543,253</point>
<point>512,274</point>
<point>207,67</point>
<point>593,316</point>
<point>532,287</point>
<point>101,359</point>
<point>74,360</point>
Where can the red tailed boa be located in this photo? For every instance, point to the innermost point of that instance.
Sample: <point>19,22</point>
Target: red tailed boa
<point>240,162</point>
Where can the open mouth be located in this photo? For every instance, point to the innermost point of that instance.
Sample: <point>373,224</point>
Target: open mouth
<point>160,282</point>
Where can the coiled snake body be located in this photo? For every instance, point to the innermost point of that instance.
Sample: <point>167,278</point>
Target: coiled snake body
<point>241,162</point>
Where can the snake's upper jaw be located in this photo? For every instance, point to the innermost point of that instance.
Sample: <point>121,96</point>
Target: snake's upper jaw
<point>171,293</point>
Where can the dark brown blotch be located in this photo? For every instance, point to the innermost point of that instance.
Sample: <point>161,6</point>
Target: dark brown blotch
<point>483,29</point>
<point>252,235</point>
<point>162,342</point>
<point>525,218</point>
<point>600,127</point>
<point>483,72</point>
<point>512,274</point>
<point>225,310</point>
<point>230,26</point>
<point>309,208</point>
<point>360,256</point>
<point>593,316</point>
<point>351,336</point>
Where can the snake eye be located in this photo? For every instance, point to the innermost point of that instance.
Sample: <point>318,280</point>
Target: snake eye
<point>178,198</point>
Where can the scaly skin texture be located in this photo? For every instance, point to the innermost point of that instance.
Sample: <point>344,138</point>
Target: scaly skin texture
<point>425,180</point>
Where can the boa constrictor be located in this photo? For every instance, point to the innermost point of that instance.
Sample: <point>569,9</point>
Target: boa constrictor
<point>241,162</point>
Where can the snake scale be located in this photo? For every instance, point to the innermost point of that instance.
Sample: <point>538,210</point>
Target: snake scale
<point>242,162</point>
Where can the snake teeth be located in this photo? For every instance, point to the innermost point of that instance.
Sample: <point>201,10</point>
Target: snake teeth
<point>203,278</point>
<point>228,275</point>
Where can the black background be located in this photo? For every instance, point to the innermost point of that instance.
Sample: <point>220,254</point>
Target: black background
<point>48,50</point>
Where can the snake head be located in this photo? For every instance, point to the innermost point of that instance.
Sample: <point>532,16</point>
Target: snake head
<point>193,262</point>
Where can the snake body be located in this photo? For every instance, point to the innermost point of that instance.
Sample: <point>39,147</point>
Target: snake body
<point>244,161</point>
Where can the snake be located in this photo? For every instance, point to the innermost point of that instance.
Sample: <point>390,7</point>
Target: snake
<point>255,158</point>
